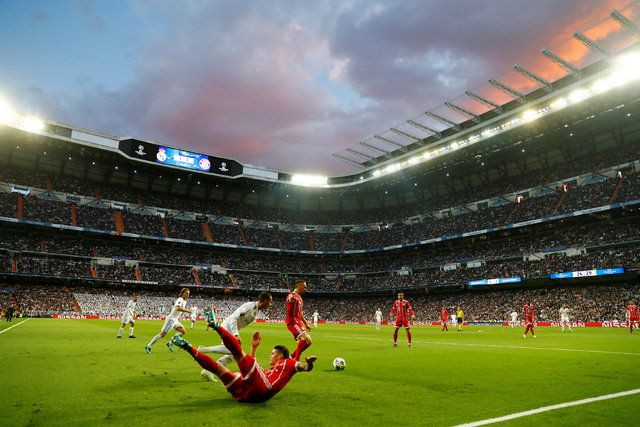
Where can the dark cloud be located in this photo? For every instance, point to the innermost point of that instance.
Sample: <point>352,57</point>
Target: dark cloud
<point>240,79</point>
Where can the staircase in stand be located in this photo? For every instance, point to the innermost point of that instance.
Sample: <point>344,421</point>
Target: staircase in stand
<point>344,240</point>
<point>206,231</point>
<point>558,205</point>
<point>616,190</point>
<point>243,234</point>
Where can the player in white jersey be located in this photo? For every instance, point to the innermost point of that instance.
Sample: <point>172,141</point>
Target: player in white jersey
<point>194,314</point>
<point>564,318</point>
<point>378,318</point>
<point>173,320</point>
<point>454,320</point>
<point>239,319</point>
<point>129,316</point>
<point>315,316</point>
<point>514,319</point>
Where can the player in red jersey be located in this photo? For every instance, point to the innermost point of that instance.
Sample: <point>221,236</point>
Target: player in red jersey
<point>403,310</point>
<point>632,315</point>
<point>444,318</point>
<point>295,321</point>
<point>252,384</point>
<point>529,318</point>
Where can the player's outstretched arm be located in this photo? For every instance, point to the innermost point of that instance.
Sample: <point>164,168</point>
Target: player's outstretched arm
<point>255,343</point>
<point>307,365</point>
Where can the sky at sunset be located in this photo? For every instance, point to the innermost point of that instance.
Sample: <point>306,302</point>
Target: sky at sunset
<point>281,84</point>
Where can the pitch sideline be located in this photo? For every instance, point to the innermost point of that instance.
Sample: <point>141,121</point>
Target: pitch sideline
<point>549,408</point>
<point>11,327</point>
<point>577,350</point>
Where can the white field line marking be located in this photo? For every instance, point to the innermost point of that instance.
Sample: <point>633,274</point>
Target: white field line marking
<point>11,327</point>
<point>577,350</point>
<point>549,408</point>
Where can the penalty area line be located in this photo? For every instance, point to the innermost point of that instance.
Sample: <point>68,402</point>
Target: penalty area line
<point>550,408</point>
<point>11,327</point>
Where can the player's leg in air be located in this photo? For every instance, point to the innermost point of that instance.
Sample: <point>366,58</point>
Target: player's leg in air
<point>245,364</point>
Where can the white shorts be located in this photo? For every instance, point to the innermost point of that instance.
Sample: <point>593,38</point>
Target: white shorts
<point>170,324</point>
<point>128,319</point>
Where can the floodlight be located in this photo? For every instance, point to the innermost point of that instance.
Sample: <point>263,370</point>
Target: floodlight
<point>602,85</point>
<point>309,180</point>
<point>7,115</point>
<point>529,115</point>
<point>578,95</point>
<point>32,124</point>
<point>559,103</point>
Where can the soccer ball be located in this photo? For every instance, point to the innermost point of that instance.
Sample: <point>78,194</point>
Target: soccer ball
<point>339,364</point>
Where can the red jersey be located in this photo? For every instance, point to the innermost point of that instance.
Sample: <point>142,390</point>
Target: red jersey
<point>294,309</point>
<point>403,310</point>
<point>259,385</point>
<point>529,313</point>
<point>444,315</point>
<point>633,312</point>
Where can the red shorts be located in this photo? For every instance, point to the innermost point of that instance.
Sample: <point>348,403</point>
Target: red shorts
<point>248,385</point>
<point>296,329</point>
<point>529,322</point>
<point>402,323</point>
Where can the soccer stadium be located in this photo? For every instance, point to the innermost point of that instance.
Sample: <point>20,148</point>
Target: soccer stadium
<point>479,264</point>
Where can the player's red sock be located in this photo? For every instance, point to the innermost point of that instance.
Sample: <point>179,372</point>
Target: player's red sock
<point>409,336</point>
<point>302,346</point>
<point>631,327</point>
<point>532,331</point>
<point>526,331</point>
<point>445,327</point>
<point>205,361</point>
<point>230,342</point>
<point>395,336</point>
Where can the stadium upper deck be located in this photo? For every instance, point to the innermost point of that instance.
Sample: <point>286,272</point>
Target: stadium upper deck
<point>554,126</point>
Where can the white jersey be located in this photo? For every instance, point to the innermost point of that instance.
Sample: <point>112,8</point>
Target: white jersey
<point>564,313</point>
<point>514,316</point>
<point>130,310</point>
<point>175,314</point>
<point>378,316</point>
<point>240,318</point>
<point>194,312</point>
<point>315,317</point>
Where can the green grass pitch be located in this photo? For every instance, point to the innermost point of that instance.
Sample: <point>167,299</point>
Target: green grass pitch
<point>74,372</point>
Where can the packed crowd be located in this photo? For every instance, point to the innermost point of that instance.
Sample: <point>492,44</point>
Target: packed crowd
<point>73,185</point>
<point>433,276</point>
<point>102,215</point>
<point>506,249</point>
<point>586,303</point>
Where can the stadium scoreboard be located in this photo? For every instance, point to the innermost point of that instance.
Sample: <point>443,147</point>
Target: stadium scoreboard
<point>183,159</point>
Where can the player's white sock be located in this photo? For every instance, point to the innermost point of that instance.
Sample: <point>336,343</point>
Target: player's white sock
<point>131,331</point>
<point>120,331</point>
<point>562,327</point>
<point>204,349</point>
<point>221,349</point>
<point>154,340</point>
<point>225,360</point>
